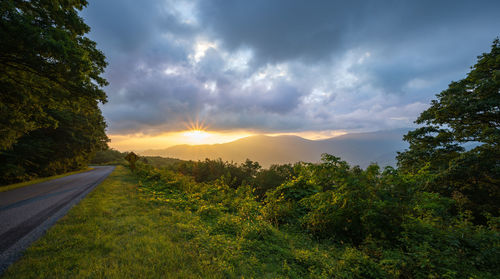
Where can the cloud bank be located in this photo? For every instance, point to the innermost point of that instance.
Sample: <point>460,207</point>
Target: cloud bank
<point>283,66</point>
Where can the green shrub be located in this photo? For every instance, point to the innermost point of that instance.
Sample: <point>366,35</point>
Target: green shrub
<point>227,225</point>
<point>354,264</point>
<point>282,204</point>
<point>209,212</point>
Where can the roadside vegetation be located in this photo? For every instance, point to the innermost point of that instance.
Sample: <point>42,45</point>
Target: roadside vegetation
<point>114,157</point>
<point>117,232</point>
<point>328,220</point>
<point>51,87</point>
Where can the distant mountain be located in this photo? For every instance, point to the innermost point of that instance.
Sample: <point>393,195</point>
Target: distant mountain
<point>357,149</point>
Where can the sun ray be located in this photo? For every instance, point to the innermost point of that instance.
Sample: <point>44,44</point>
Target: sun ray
<point>196,125</point>
<point>196,132</point>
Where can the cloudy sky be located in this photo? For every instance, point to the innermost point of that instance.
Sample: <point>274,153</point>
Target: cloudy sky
<point>264,66</point>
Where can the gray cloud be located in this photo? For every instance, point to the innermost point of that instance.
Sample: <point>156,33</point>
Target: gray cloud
<point>277,30</point>
<point>283,65</point>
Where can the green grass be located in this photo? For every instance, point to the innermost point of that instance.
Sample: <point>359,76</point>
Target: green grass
<point>39,180</point>
<point>121,230</point>
<point>115,232</point>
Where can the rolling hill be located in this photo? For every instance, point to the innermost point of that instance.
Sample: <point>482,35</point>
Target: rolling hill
<point>357,149</point>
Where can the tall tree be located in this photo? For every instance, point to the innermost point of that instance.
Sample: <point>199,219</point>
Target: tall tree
<point>50,88</point>
<point>458,144</point>
<point>49,151</point>
<point>46,63</point>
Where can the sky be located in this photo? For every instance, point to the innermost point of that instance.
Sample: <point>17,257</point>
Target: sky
<point>310,68</point>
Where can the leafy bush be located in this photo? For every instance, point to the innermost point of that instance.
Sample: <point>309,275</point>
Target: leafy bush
<point>282,204</point>
<point>328,220</point>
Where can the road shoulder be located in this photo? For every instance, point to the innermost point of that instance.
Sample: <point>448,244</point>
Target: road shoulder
<point>40,180</point>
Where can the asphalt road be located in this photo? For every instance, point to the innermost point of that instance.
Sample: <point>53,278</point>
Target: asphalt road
<point>27,212</point>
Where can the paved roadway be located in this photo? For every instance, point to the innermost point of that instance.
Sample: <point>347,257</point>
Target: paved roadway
<point>27,212</point>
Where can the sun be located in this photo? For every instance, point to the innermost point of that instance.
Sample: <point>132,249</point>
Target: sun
<point>196,133</point>
<point>196,136</point>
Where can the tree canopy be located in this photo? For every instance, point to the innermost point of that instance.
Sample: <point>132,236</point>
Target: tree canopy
<point>46,64</point>
<point>458,144</point>
<point>51,85</point>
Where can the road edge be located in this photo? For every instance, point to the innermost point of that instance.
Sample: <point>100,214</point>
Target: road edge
<point>15,252</point>
<point>14,186</point>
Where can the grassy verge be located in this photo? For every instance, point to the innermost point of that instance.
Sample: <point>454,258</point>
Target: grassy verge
<point>115,232</point>
<point>162,224</point>
<point>39,180</point>
<point>122,230</point>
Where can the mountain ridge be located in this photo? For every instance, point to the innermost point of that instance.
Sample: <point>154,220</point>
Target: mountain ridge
<point>355,148</point>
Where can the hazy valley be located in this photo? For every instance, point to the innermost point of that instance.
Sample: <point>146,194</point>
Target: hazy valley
<point>356,148</point>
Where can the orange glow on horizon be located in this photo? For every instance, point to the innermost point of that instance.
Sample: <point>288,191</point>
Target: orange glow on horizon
<point>140,142</point>
<point>197,134</point>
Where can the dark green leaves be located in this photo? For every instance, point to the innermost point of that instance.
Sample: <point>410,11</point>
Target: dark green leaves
<point>50,87</point>
<point>468,112</point>
<point>46,63</point>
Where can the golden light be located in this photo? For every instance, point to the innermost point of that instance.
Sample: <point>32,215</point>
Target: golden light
<point>196,126</point>
<point>140,142</point>
<point>196,136</point>
<point>195,133</point>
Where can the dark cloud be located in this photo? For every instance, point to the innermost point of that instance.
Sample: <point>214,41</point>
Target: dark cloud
<point>278,30</point>
<point>444,32</point>
<point>283,65</point>
<point>291,29</point>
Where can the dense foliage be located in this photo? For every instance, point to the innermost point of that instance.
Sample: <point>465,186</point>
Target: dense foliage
<point>233,174</point>
<point>50,82</point>
<point>108,157</point>
<point>467,114</point>
<point>327,220</point>
<point>111,156</point>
